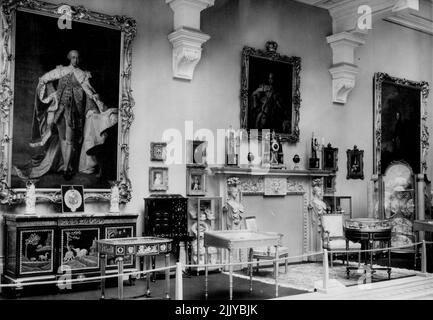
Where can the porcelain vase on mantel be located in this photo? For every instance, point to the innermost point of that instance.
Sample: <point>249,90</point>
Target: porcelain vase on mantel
<point>30,198</point>
<point>114,197</point>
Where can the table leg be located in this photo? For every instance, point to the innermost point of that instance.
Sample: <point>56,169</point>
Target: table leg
<point>347,260</point>
<point>250,268</point>
<point>147,259</point>
<point>198,255</point>
<point>153,267</point>
<point>230,274</point>
<point>389,260</point>
<point>102,259</point>
<point>370,247</point>
<point>366,246</point>
<point>277,267</point>
<point>205,272</point>
<point>167,276</point>
<point>120,277</point>
<point>371,253</point>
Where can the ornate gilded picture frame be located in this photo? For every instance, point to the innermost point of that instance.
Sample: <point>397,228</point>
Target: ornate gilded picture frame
<point>270,92</point>
<point>44,136</point>
<point>400,119</point>
<point>355,163</point>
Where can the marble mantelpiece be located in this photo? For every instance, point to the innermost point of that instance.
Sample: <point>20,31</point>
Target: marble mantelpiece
<point>255,182</point>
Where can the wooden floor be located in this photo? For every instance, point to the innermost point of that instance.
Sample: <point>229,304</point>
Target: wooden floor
<point>410,288</point>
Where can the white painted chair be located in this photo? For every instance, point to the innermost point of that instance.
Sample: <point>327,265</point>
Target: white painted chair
<point>332,234</point>
<point>266,253</point>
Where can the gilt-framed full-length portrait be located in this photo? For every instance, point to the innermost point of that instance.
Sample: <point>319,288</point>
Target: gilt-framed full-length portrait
<point>400,123</point>
<point>270,92</point>
<point>66,99</point>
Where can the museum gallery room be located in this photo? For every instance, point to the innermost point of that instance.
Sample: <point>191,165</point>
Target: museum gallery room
<point>216,150</point>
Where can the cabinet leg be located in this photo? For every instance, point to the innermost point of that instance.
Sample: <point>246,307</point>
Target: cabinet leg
<point>148,275</point>
<point>167,277</point>
<point>153,267</point>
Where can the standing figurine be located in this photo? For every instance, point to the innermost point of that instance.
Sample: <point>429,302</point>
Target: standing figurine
<point>315,153</point>
<point>30,198</point>
<point>114,199</point>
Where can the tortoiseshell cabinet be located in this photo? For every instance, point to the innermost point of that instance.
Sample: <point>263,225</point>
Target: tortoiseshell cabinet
<point>58,246</point>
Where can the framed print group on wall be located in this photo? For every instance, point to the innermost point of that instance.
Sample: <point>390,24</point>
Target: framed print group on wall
<point>400,123</point>
<point>66,109</point>
<point>270,92</point>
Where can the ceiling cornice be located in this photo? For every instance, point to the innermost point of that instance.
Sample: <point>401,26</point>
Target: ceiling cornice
<point>413,14</point>
<point>351,23</point>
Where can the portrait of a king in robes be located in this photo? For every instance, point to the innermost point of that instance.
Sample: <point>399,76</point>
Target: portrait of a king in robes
<point>68,121</point>
<point>65,123</point>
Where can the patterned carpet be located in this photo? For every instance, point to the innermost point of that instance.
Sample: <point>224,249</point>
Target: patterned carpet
<point>304,276</point>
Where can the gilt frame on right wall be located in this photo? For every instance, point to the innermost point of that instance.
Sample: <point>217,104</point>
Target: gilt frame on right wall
<point>400,118</point>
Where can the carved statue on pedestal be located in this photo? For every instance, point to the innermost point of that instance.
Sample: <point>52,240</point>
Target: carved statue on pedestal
<point>317,208</point>
<point>317,203</point>
<point>316,149</point>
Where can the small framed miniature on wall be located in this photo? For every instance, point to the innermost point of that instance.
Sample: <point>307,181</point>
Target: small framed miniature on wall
<point>196,182</point>
<point>72,199</point>
<point>158,179</point>
<point>196,153</point>
<point>329,184</point>
<point>158,151</point>
<point>355,164</point>
<point>330,158</point>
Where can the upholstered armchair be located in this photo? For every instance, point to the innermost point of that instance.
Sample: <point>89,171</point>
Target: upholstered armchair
<point>332,234</point>
<point>266,253</point>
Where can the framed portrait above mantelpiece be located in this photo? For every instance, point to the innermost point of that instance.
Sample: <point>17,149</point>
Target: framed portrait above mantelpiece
<point>66,113</point>
<point>400,123</point>
<point>270,92</point>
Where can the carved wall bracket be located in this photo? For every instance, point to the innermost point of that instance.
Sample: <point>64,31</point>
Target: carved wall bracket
<point>187,39</point>
<point>187,48</point>
<point>351,19</point>
<point>344,70</point>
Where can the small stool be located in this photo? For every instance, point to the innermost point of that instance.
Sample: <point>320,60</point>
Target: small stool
<point>267,254</point>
